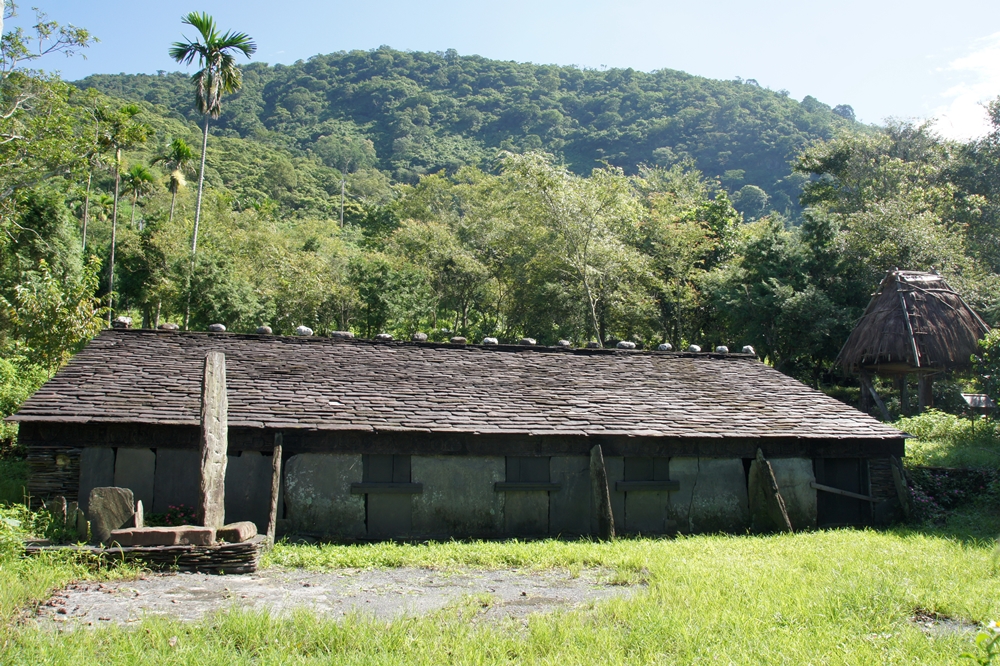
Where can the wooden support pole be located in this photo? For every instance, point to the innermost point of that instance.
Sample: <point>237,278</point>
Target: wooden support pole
<point>214,442</point>
<point>925,392</point>
<point>866,383</point>
<point>902,489</point>
<point>272,518</point>
<point>767,506</point>
<point>601,494</point>
<point>904,395</point>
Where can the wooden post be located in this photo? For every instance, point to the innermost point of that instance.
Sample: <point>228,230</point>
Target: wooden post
<point>865,402</point>
<point>214,442</point>
<point>902,489</point>
<point>601,494</point>
<point>904,395</point>
<point>925,392</point>
<point>767,506</point>
<point>866,383</point>
<point>272,518</point>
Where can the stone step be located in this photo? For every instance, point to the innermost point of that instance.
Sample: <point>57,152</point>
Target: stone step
<point>237,532</point>
<point>182,535</point>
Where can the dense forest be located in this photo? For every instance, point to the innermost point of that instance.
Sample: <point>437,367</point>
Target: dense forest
<point>385,191</point>
<point>410,114</point>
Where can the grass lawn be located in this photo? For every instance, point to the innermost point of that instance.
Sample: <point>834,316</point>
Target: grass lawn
<point>834,597</point>
<point>830,597</point>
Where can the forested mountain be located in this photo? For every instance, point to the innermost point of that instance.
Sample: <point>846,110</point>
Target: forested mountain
<point>483,198</point>
<point>412,113</point>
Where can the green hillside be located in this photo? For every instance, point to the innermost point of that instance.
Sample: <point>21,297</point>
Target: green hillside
<point>411,113</point>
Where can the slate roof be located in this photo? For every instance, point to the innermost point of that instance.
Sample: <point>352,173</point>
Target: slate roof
<point>154,377</point>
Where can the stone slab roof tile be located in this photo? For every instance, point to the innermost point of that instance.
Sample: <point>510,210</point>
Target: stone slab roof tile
<point>317,383</point>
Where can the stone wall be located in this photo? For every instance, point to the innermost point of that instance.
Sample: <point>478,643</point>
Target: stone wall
<point>454,495</point>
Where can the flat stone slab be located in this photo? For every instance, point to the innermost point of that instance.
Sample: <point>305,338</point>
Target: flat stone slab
<point>383,593</point>
<point>109,509</point>
<point>182,535</point>
<point>237,532</point>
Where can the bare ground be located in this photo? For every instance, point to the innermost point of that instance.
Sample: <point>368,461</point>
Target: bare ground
<point>383,593</point>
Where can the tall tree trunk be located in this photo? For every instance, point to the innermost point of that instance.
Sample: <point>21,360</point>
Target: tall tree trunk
<point>197,220</point>
<point>86,210</point>
<point>114,236</point>
<point>173,200</point>
<point>135,201</point>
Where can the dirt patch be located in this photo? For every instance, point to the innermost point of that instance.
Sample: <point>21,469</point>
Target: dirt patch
<point>938,624</point>
<point>382,593</point>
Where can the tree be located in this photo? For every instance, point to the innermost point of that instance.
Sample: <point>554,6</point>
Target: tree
<point>37,139</point>
<point>139,181</point>
<point>218,76</point>
<point>119,130</point>
<point>177,159</point>
<point>588,220</point>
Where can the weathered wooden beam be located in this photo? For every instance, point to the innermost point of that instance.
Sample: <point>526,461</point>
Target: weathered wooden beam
<point>838,491</point>
<point>902,489</point>
<point>866,384</point>
<point>601,495</point>
<point>767,506</point>
<point>272,516</point>
<point>214,442</point>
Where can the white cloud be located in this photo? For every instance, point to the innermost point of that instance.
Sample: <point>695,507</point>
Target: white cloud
<point>963,115</point>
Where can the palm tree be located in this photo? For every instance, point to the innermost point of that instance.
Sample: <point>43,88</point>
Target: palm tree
<point>139,181</point>
<point>118,131</point>
<point>178,159</point>
<point>218,76</point>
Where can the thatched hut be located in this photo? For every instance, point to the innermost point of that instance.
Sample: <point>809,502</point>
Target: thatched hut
<point>915,324</point>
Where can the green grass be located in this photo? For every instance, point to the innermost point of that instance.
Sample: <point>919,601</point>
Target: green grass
<point>836,597</point>
<point>945,440</point>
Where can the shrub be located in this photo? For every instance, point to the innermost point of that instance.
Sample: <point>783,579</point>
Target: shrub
<point>986,365</point>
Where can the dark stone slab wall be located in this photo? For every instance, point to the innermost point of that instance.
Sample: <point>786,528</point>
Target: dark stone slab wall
<point>159,463</point>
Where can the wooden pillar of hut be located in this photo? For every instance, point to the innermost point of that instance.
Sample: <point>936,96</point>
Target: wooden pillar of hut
<point>865,404</point>
<point>904,394</point>
<point>925,391</point>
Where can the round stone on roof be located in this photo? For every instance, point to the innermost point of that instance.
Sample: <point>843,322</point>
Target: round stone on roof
<point>217,328</point>
<point>264,330</point>
<point>490,341</point>
<point>527,341</point>
<point>626,344</point>
<point>694,348</point>
<point>593,344</point>
<point>747,349</point>
<point>564,343</point>
<point>458,340</point>
<point>419,337</point>
<point>342,334</point>
<point>722,349</point>
<point>169,326</point>
<point>666,346</point>
<point>384,337</point>
<point>304,331</point>
<point>122,322</point>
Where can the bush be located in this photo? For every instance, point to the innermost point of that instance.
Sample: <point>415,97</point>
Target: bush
<point>946,440</point>
<point>986,365</point>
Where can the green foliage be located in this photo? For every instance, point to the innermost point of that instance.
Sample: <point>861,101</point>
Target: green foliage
<point>412,113</point>
<point>947,440</point>
<point>51,319</point>
<point>986,365</point>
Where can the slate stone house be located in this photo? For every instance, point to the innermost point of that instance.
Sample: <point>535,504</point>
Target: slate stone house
<point>387,439</point>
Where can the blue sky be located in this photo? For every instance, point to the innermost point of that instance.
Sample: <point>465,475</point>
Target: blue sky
<point>917,59</point>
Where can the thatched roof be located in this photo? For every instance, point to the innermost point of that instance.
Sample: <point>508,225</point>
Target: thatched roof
<point>915,321</point>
